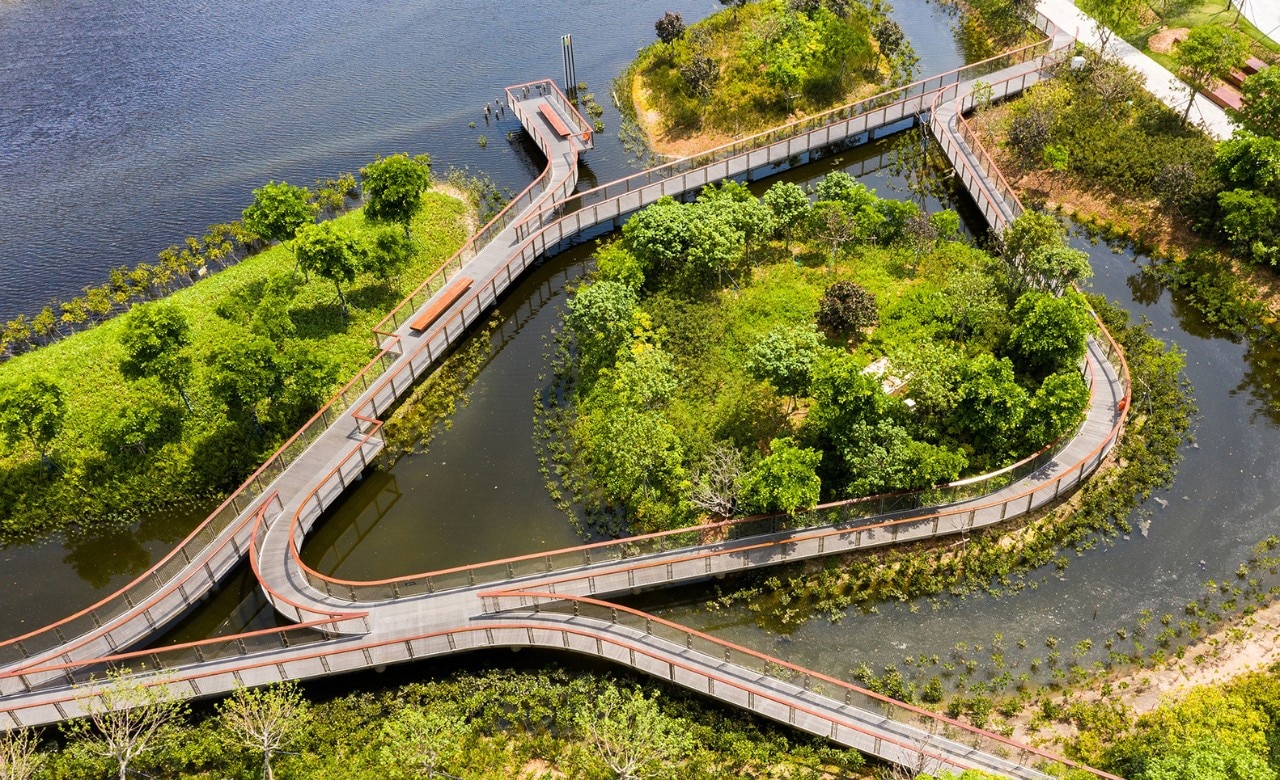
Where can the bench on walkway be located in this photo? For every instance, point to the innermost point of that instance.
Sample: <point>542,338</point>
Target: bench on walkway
<point>1253,65</point>
<point>449,297</point>
<point>1224,96</point>
<point>557,124</point>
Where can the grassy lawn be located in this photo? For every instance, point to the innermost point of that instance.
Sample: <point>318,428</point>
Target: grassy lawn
<point>1196,13</point>
<point>206,452</point>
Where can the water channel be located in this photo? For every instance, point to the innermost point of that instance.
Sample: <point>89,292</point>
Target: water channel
<point>476,494</point>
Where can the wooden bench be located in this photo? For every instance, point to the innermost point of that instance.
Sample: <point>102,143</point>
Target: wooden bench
<point>449,297</point>
<point>1253,65</point>
<point>1225,97</point>
<point>557,124</point>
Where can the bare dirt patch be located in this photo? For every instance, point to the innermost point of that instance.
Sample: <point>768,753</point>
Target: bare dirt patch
<point>1164,41</point>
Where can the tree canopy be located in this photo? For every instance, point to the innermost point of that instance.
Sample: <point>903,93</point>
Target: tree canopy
<point>278,210</point>
<point>393,187</point>
<point>33,408</point>
<point>155,338</point>
<point>331,253</point>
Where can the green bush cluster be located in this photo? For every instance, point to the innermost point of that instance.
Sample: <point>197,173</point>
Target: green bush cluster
<point>160,414</point>
<point>700,384</point>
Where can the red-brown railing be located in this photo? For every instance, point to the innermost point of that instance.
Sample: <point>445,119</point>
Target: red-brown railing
<point>715,650</point>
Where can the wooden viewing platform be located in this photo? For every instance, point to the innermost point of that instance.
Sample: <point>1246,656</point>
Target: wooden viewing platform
<point>345,625</point>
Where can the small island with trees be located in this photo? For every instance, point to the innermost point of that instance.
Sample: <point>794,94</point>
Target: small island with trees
<point>741,355</point>
<point>757,65</point>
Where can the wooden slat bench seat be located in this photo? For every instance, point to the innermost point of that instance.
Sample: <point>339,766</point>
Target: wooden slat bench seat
<point>449,297</point>
<point>1253,65</point>
<point>557,124</point>
<point>1224,96</point>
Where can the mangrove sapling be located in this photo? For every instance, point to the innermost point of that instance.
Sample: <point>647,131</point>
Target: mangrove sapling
<point>20,755</point>
<point>127,718</point>
<point>267,720</point>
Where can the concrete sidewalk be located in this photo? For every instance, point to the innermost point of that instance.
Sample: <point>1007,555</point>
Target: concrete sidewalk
<point>1265,15</point>
<point>1160,82</point>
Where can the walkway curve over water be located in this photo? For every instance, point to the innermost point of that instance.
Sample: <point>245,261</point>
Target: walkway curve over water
<point>385,631</point>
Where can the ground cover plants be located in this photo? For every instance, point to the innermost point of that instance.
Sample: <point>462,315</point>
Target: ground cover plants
<point>181,398</point>
<point>723,360</point>
<point>754,65</point>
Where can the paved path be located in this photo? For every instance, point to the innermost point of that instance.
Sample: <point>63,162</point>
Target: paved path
<point>1265,15</point>
<point>1159,81</point>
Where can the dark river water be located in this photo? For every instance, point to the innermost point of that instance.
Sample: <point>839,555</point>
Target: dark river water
<point>131,124</point>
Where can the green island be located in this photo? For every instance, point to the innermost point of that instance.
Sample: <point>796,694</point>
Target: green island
<point>174,403</point>
<point>742,355</point>
<point>755,66</point>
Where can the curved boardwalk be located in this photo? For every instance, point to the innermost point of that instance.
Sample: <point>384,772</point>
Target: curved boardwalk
<point>551,600</point>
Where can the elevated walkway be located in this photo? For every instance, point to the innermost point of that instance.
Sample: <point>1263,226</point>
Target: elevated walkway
<point>345,625</point>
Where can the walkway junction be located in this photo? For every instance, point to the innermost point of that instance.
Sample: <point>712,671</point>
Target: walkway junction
<point>559,599</point>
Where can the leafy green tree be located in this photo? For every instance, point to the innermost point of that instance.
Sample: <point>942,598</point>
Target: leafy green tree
<point>422,741</point>
<point>309,378</point>
<point>646,377</point>
<point>631,735</point>
<point>266,720</point>
<point>600,319</point>
<point>155,337</point>
<point>744,211</point>
<point>786,480</point>
<point>701,73</point>
<point>278,210</point>
<point>832,223</point>
<point>1049,332</point>
<point>142,424</point>
<point>847,307</point>
<point>331,253</point>
<point>244,373</point>
<point>636,458</point>
<point>1031,232</point>
<point>1208,760</point>
<point>1208,52</point>
<point>789,204</point>
<point>1056,407</point>
<point>393,187</point>
<point>784,357</point>
<point>20,756</point>
<point>716,246</point>
<point>659,236</point>
<point>1059,267</point>
<point>1112,17</point>
<point>1260,103</point>
<point>32,408</point>
<point>1248,161</point>
<point>615,264</point>
<point>389,252</point>
<point>991,405</point>
<point>1250,223</point>
<point>881,456</point>
<point>126,720</point>
<point>670,27</point>
<point>840,186</point>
